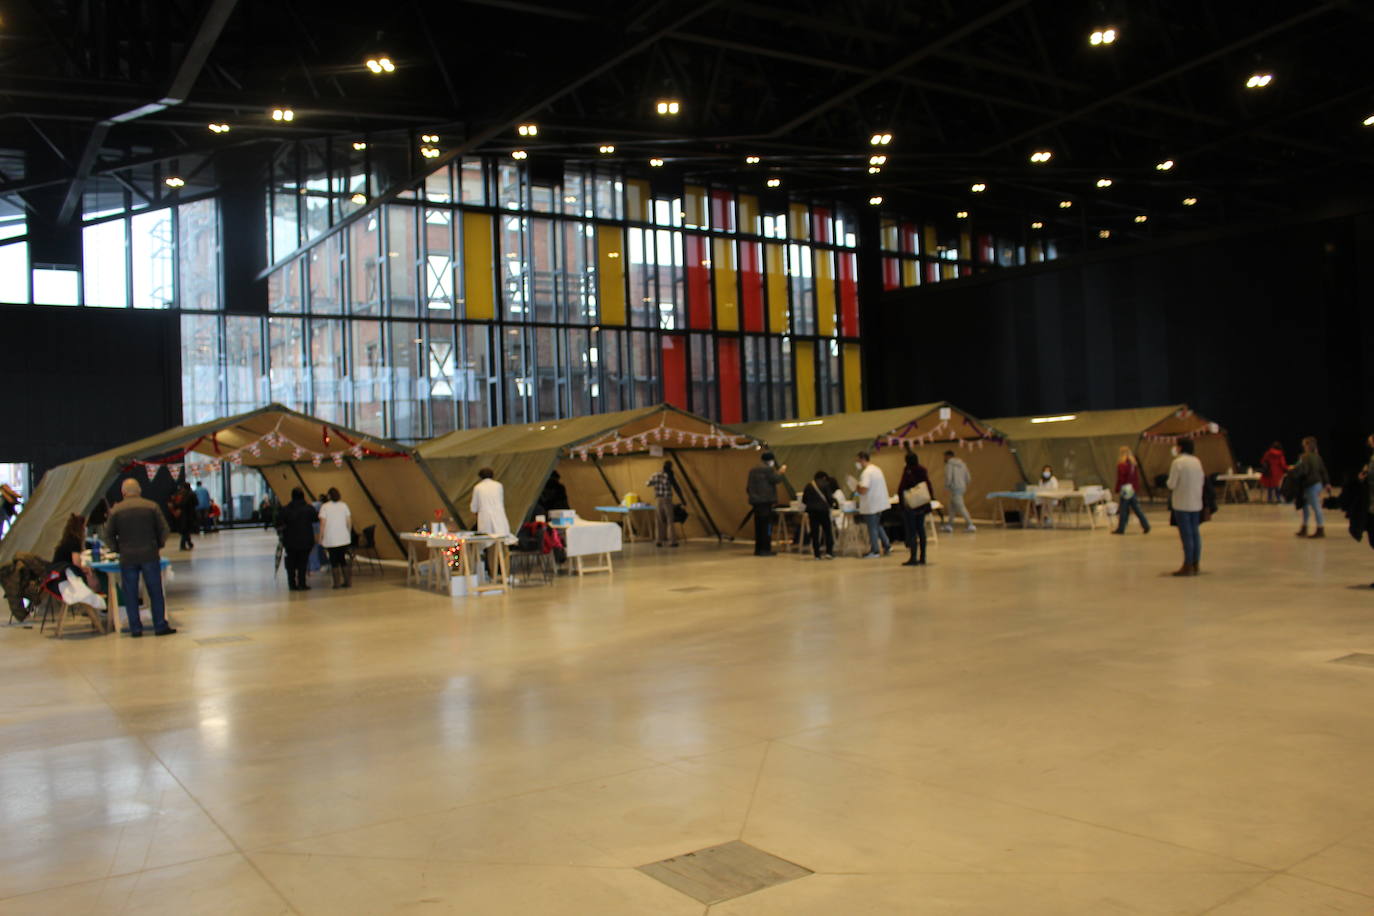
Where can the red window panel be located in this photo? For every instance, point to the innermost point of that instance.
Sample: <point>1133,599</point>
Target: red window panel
<point>849,294</point>
<point>728,379</point>
<point>751,284</point>
<point>911,238</point>
<point>820,224</point>
<point>932,272</point>
<point>723,211</point>
<point>892,273</point>
<point>675,370</point>
<point>698,282</point>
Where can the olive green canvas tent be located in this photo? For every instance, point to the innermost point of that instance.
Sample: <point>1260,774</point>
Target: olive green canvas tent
<point>380,480</point>
<point>601,459</point>
<point>830,443</point>
<point>1083,447</point>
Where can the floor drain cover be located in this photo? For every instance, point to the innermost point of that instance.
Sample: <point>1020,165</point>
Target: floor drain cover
<point>724,872</point>
<point>221,640</point>
<point>1363,659</point>
<point>690,588</point>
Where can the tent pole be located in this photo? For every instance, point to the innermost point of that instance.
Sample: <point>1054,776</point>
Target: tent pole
<point>606,480</point>
<point>695,495</point>
<point>348,462</point>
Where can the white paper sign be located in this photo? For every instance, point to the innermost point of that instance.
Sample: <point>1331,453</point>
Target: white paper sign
<point>656,451</point>
<point>944,413</point>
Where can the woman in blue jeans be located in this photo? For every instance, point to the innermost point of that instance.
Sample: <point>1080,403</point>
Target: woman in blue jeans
<point>914,520</point>
<point>1311,471</point>
<point>1128,491</point>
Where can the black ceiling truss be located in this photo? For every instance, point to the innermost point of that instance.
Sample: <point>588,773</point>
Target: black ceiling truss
<point>968,90</point>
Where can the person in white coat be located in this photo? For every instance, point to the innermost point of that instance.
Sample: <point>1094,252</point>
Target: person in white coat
<point>489,504</point>
<point>336,536</point>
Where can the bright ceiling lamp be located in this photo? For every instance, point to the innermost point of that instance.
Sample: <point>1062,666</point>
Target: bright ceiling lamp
<point>359,145</point>
<point>873,169</point>
<point>962,214</point>
<point>1190,201</point>
<point>1060,419</point>
<point>519,154</point>
<point>875,200</point>
<point>1259,80</point>
<point>882,139</point>
<point>1041,156</point>
<point>668,106</point>
<point>1104,36</point>
<point>1104,182</point>
<point>174,182</point>
<point>606,149</point>
<point>1037,225</point>
<point>1104,233</point>
<point>774,182</point>
<point>1141,218</point>
<point>1164,166</point>
<point>656,163</point>
<point>978,187</point>
<point>1369,121</point>
<point>1065,204</point>
<point>528,130</point>
<point>218,127</point>
<point>360,198</point>
<point>380,64</point>
<point>283,114</point>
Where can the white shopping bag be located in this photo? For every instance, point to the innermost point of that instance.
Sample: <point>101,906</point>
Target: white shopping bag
<point>75,591</point>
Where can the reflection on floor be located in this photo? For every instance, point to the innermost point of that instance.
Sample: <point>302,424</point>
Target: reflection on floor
<point>1038,722</point>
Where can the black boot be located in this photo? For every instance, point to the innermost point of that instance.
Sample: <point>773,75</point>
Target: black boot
<point>911,560</point>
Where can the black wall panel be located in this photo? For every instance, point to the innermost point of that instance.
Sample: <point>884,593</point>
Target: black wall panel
<point>1270,333</point>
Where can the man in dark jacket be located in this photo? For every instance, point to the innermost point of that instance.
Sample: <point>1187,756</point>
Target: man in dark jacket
<point>762,489</point>
<point>137,529</point>
<point>296,525</point>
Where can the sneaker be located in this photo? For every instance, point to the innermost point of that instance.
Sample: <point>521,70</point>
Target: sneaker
<point>871,556</point>
<point>167,632</point>
<point>947,529</point>
<point>972,529</point>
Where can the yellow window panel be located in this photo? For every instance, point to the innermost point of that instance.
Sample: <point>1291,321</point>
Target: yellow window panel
<point>610,262</point>
<point>800,225</point>
<point>694,207</point>
<point>479,282</point>
<point>727,289</point>
<point>749,214</point>
<point>804,352</point>
<point>639,202</point>
<point>853,378</point>
<point>825,292</point>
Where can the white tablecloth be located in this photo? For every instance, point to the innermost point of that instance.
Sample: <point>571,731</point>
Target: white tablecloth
<point>585,538</point>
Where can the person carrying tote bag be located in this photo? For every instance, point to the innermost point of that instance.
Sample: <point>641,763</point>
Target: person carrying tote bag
<point>914,494</point>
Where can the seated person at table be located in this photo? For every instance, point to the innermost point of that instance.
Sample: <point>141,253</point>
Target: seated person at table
<point>1048,483</point>
<point>68,553</point>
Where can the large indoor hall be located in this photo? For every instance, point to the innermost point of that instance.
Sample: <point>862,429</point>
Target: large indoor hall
<point>1039,721</point>
<point>703,457</point>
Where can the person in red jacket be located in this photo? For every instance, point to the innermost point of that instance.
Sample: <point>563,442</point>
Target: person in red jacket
<point>1273,466</point>
<point>1128,491</point>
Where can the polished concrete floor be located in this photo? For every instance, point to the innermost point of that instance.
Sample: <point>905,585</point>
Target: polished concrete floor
<point>1037,723</point>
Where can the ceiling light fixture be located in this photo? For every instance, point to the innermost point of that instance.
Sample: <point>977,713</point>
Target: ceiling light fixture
<point>1063,418</point>
<point>978,187</point>
<point>751,160</point>
<point>668,106</point>
<point>429,138</point>
<point>1037,225</point>
<point>774,182</point>
<point>873,170</point>
<point>429,152</point>
<point>962,214</point>
<point>1369,121</point>
<point>875,200</point>
<point>218,128</point>
<point>1164,166</point>
<point>1189,201</point>
<point>1041,156</point>
<point>528,130</point>
<point>359,145</point>
<point>880,139</point>
<point>1065,204</point>
<point>1104,182</point>
<point>379,65</point>
<point>656,163</point>
<point>1104,233</point>
<point>174,182</point>
<point>1259,80</point>
<point>877,160</point>
<point>1105,36</point>
<point>360,198</point>
<point>1141,218</point>
<point>283,114</point>
<point>519,154</point>
<point>606,149</point>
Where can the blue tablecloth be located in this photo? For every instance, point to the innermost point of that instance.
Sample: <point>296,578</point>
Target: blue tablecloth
<point>1012,494</point>
<point>107,566</point>
<point>624,510</point>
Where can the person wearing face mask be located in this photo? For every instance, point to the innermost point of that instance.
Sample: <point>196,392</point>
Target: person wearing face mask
<point>762,490</point>
<point>1048,484</point>
<point>873,502</point>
